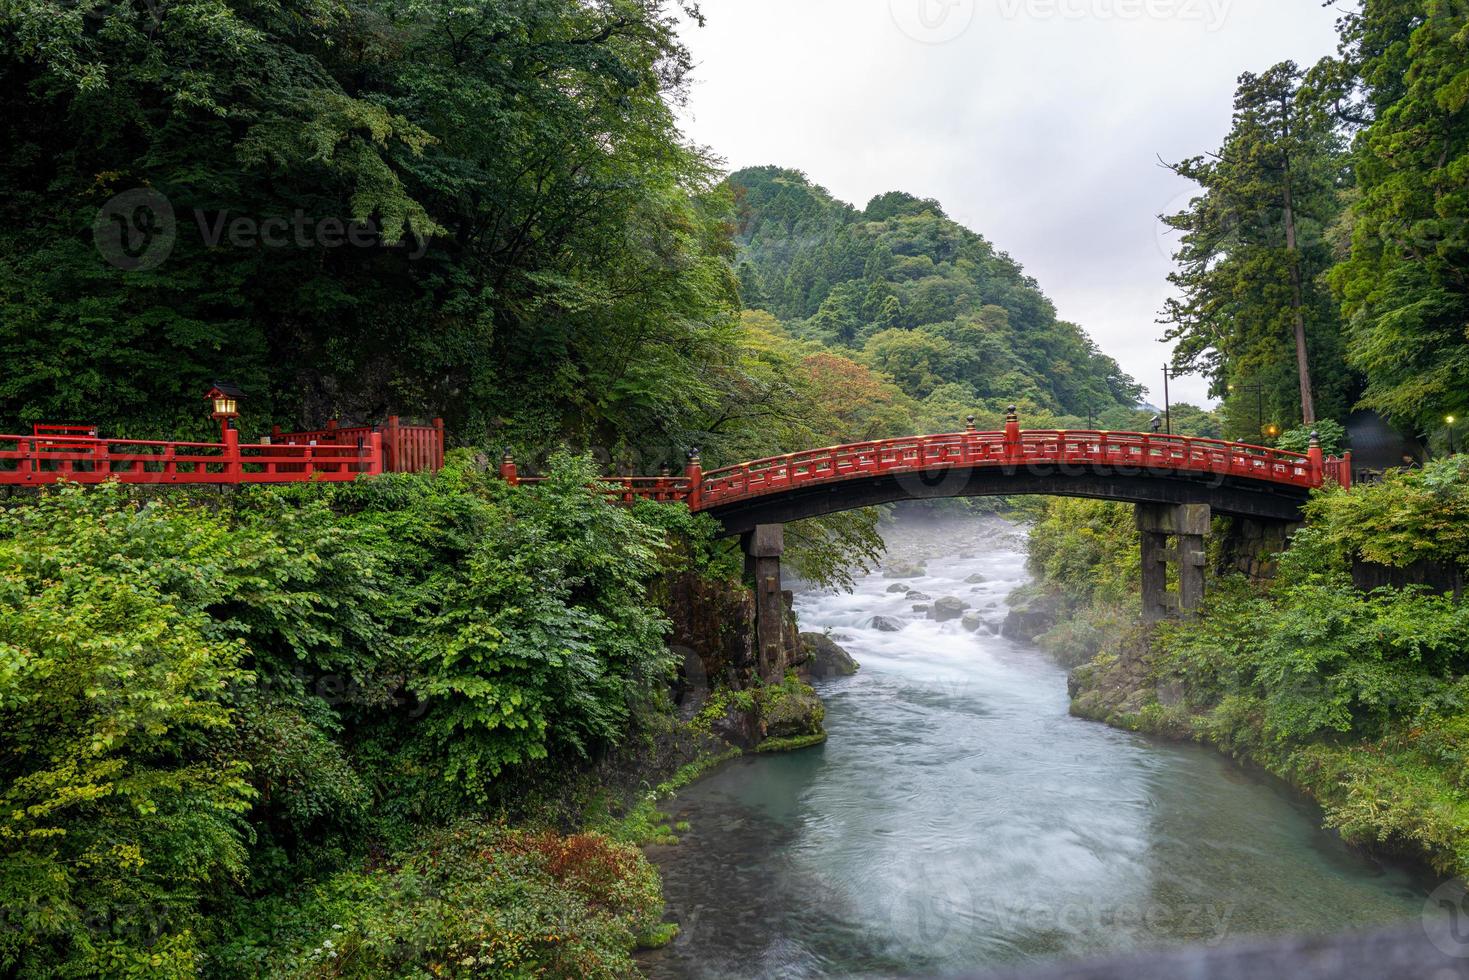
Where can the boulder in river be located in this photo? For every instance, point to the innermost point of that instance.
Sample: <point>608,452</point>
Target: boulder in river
<point>921,609</point>
<point>976,579</point>
<point>918,597</point>
<point>898,588</point>
<point>825,658</point>
<point>791,713</point>
<point>905,569</point>
<point>973,622</point>
<point>883,624</point>
<point>1034,613</point>
<point>948,608</point>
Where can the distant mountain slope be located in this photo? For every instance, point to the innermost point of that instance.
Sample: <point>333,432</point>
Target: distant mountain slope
<point>921,297</point>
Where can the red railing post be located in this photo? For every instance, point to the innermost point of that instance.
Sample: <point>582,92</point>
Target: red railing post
<point>101,460</point>
<point>375,447</point>
<point>694,474</point>
<point>438,444</point>
<point>392,442</point>
<point>233,470</point>
<point>1013,450</point>
<point>1317,460</point>
<point>508,471</point>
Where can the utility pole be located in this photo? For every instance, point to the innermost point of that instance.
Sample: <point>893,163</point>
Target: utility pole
<point>1167,404</point>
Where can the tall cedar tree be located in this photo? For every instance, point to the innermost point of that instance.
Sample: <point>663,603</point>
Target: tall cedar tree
<point>1405,285</point>
<point>1254,245</point>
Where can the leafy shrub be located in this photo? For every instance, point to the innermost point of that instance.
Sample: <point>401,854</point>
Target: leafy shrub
<point>472,901</point>
<point>119,808</point>
<point>200,706</point>
<point>1332,434</point>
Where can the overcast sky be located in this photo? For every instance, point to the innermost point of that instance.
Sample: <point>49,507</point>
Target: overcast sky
<point>1037,123</point>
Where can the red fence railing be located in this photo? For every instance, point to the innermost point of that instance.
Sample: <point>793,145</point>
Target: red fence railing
<point>41,458</point>
<point>406,448</point>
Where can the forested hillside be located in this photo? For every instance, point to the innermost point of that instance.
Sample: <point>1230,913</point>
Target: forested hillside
<point>910,292</point>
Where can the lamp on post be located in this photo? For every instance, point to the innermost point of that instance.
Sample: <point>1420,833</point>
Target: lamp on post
<point>225,399</point>
<point>1451,420</point>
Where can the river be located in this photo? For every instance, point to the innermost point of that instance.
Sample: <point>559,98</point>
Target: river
<point>959,818</point>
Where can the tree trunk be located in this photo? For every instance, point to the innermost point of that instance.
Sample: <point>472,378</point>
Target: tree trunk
<point>1303,361</point>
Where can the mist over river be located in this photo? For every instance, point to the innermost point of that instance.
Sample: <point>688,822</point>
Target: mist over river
<point>959,818</point>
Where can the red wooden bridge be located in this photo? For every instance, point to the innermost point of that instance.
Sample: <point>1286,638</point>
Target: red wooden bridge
<point>1234,478</point>
<point>1133,466</point>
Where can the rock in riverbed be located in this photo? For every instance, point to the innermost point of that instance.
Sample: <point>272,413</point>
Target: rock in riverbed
<point>824,658</point>
<point>973,622</point>
<point>949,607</point>
<point>885,625</point>
<point>904,569</point>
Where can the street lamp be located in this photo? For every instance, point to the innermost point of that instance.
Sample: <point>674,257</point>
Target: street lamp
<point>1167,406</point>
<point>1451,420</point>
<point>1259,391</point>
<point>226,401</point>
<point>1272,430</point>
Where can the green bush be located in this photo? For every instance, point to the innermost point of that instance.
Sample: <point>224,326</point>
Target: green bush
<point>1332,435</point>
<point>202,705</point>
<point>471,901</point>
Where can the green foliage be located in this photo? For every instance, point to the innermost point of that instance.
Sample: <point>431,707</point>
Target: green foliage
<point>545,639</point>
<point>122,802</point>
<point>471,901</point>
<point>1417,515</point>
<point>1332,435</point>
<point>203,705</point>
<point>1086,550</point>
<point>1402,285</point>
<point>533,219</point>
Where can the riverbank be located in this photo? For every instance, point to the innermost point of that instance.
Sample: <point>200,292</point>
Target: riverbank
<point>1353,697</point>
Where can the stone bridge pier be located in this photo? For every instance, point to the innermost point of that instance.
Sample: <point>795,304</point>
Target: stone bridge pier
<point>1173,534</point>
<point>763,548</point>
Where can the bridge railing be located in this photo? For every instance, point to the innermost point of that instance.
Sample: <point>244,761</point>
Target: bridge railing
<point>406,448</point>
<point>41,459</point>
<point>1011,448</point>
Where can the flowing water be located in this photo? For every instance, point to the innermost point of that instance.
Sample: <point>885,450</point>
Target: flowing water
<point>959,818</point>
